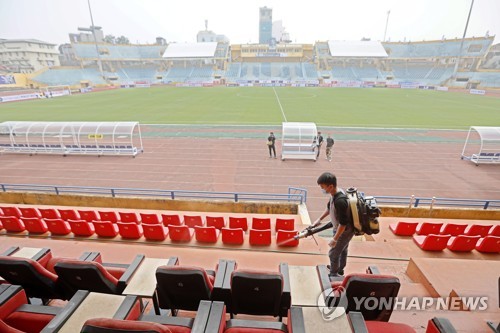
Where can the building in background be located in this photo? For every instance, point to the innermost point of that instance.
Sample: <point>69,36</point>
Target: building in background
<point>208,36</point>
<point>265,25</point>
<point>27,55</point>
<point>279,33</point>
<point>86,37</point>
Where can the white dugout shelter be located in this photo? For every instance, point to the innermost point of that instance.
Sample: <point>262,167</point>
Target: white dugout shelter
<point>65,138</point>
<point>298,141</point>
<point>482,145</point>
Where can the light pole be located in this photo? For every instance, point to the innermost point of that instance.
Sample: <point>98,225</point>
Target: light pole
<point>99,63</point>
<point>462,43</point>
<point>386,24</point>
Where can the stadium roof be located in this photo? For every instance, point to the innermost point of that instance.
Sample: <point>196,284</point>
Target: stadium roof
<point>362,49</point>
<point>191,50</point>
<point>34,41</point>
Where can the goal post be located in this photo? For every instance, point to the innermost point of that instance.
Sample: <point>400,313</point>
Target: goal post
<point>57,91</point>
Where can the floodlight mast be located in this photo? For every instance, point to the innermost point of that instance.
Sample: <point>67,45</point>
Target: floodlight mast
<point>386,24</point>
<point>92,28</point>
<point>462,43</point>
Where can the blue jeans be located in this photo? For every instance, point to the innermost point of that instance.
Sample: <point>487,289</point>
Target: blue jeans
<point>338,254</point>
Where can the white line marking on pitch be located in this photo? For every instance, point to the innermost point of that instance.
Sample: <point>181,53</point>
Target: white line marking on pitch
<point>284,117</point>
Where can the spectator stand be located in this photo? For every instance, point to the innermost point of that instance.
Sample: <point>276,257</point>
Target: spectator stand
<point>298,141</point>
<point>485,149</point>
<point>78,138</point>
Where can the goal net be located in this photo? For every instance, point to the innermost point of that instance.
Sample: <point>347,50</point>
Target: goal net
<point>57,91</point>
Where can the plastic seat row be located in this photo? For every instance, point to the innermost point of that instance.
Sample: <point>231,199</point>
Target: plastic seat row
<point>47,277</point>
<point>151,232</point>
<point>460,243</point>
<point>149,218</point>
<point>16,315</point>
<point>403,228</point>
<point>178,287</point>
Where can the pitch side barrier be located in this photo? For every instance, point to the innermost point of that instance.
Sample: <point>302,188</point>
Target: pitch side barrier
<point>294,195</point>
<point>297,195</point>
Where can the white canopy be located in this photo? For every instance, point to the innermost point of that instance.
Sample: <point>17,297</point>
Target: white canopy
<point>488,133</point>
<point>361,49</point>
<point>191,50</point>
<point>486,148</point>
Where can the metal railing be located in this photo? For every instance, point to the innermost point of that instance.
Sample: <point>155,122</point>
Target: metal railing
<point>295,195</point>
<point>414,202</point>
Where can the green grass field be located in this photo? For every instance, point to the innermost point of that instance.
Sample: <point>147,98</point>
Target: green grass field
<point>259,106</point>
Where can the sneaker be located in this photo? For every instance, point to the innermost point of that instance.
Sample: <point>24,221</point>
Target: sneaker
<point>275,157</point>
<point>340,273</point>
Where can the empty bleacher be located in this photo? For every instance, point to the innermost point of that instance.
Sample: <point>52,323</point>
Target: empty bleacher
<point>446,48</point>
<point>70,76</point>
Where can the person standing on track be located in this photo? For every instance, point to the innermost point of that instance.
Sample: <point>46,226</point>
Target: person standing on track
<point>271,140</point>
<point>319,141</point>
<point>329,146</point>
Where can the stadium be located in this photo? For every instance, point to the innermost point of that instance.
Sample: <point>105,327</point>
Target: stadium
<point>138,193</point>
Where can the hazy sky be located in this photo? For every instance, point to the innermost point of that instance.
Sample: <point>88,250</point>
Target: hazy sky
<point>306,21</point>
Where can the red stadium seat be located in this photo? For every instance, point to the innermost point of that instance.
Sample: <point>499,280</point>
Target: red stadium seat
<point>129,218</point>
<point>1,225</point>
<point>453,229</point>
<point>431,242</point>
<point>17,315</point>
<point>261,223</point>
<point>256,292</point>
<point>32,275</point>
<point>69,214</point>
<point>150,218</point>
<point>58,226</point>
<point>489,244</point>
<point>34,225</point>
<point>29,212</point>
<point>462,243</point>
<point>285,238</point>
<point>11,211</point>
<point>130,230</point>
<point>374,326</point>
<point>180,233</point>
<point>285,224</point>
<point>105,228</point>
<point>81,228</point>
<point>495,231</point>
<point>154,232</point>
<point>383,287</point>
<point>12,223</point>
<point>49,213</point>
<point>193,221</point>
<point>170,220</point>
<point>478,230</point>
<point>183,287</point>
<point>78,274</point>
<point>403,228</point>
<point>217,222</point>
<point>101,325</point>
<point>260,237</point>
<point>427,228</point>
<point>88,215</point>
<point>232,236</point>
<point>206,234</point>
<point>238,222</point>
<point>109,216</point>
